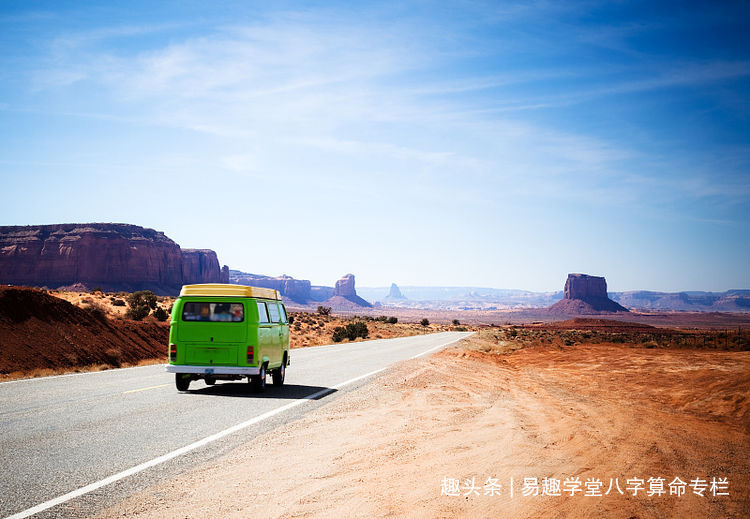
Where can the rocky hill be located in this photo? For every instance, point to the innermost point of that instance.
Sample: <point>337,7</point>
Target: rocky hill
<point>111,256</point>
<point>41,332</point>
<point>584,294</point>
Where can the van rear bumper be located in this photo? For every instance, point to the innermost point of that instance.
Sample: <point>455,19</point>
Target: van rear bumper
<point>212,370</point>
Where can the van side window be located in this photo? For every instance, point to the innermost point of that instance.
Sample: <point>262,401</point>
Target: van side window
<point>273,310</point>
<point>282,311</point>
<point>262,312</point>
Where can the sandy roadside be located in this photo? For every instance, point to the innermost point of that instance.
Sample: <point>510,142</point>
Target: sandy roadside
<point>599,412</point>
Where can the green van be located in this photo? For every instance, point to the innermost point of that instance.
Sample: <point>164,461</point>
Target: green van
<point>228,332</point>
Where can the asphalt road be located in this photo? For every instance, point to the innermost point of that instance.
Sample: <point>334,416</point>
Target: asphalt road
<point>60,434</point>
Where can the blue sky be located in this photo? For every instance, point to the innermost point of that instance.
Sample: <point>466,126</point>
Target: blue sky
<point>491,144</point>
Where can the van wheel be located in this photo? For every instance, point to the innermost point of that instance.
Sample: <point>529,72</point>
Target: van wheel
<point>181,381</point>
<point>279,373</point>
<point>258,382</point>
<point>209,381</point>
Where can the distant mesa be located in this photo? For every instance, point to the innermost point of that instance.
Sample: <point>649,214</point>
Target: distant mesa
<point>298,290</point>
<point>585,294</point>
<point>345,296</point>
<point>394,293</point>
<point>111,256</point>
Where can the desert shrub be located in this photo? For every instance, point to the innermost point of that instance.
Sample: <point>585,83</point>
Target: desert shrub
<point>141,303</point>
<point>324,310</point>
<point>137,313</point>
<point>382,319</point>
<point>113,357</point>
<point>456,322</point>
<point>161,314</point>
<point>650,344</point>
<point>511,332</point>
<point>96,289</point>
<point>118,302</point>
<point>290,318</point>
<point>339,334</point>
<point>96,310</point>
<point>460,328</point>
<point>425,322</point>
<point>392,320</point>
<point>351,331</point>
<point>143,297</point>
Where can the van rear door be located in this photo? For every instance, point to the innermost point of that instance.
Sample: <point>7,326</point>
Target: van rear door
<point>212,331</point>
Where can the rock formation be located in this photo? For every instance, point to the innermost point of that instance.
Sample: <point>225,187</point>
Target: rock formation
<point>395,292</point>
<point>585,294</point>
<point>200,266</point>
<point>345,295</point>
<point>320,293</point>
<point>106,255</point>
<point>296,289</point>
<point>345,286</point>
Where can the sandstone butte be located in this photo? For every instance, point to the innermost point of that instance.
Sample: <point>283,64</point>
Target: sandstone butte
<point>584,294</point>
<point>345,295</point>
<point>110,256</point>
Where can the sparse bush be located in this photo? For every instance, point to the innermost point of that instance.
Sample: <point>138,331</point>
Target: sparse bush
<point>113,357</point>
<point>96,310</point>
<point>339,334</point>
<point>141,303</point>
<point>425,322</point>
<point>96,289</point>
<point>456,322</point>
<point>161,314</point>
<point>351,331</point>
<point>460,328</point>
<point>137,313</point>
<point>392,320</point>
<point>324,310</point>
<point>118,302</point>
<point>290,318</point>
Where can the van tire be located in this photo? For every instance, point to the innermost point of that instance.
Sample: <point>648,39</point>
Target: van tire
<point>181,381</point>
<point>279,373</point>
<point>209,381</point>
<point>258,382</point>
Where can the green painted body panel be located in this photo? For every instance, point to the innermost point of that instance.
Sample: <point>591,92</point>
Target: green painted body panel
<point>204,343</point>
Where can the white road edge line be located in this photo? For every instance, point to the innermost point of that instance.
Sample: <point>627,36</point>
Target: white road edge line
<point>200,443</point>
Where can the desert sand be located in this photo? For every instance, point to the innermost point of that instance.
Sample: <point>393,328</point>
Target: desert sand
<point>489,411</point>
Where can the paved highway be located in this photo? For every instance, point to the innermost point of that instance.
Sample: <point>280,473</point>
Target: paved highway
<point>63,437</point>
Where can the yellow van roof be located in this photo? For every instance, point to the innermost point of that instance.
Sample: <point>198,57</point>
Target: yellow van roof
<point>228,290</point>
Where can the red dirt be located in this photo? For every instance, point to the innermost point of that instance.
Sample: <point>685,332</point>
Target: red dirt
<point>42,332</point>
<point>593,411</point>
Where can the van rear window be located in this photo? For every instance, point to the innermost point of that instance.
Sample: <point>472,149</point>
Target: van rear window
<point>213,312</point>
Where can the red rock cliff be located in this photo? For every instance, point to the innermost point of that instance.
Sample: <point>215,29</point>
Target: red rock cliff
<point>107,255</point>
<point>200,266</point>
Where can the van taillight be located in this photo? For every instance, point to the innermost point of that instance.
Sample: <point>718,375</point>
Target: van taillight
<point>172,352</point>
<point>250,354</point>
